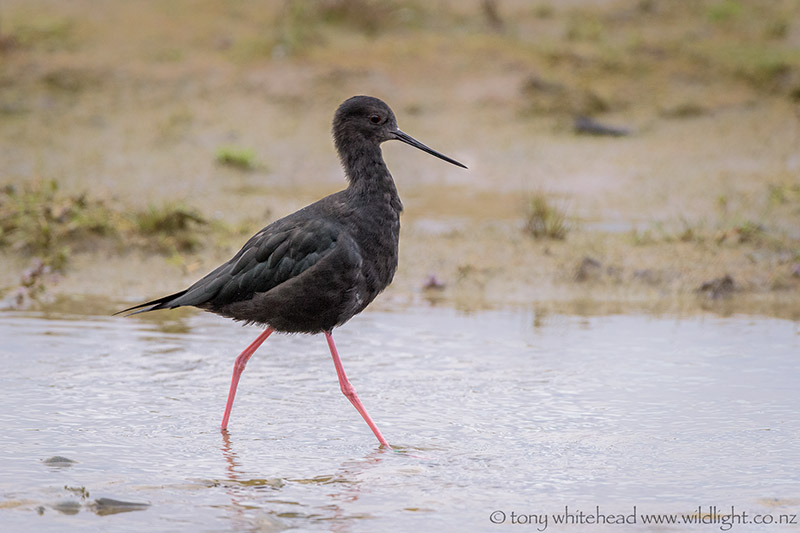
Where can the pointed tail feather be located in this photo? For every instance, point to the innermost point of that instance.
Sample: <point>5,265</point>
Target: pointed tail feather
<point>160,303</point>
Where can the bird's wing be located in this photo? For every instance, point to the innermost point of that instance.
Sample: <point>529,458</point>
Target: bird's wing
<point>284,249</point>
<point>271,257</point>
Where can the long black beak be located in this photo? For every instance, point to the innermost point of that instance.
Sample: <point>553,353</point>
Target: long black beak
<point>408,139</point>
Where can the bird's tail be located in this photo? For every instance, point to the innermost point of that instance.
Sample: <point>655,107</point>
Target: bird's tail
<point>161,303</point>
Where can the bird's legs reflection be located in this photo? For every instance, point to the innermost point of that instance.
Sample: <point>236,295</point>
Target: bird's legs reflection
<point>343,488</point>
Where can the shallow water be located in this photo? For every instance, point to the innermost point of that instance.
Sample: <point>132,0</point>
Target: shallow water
<point>494,411</point>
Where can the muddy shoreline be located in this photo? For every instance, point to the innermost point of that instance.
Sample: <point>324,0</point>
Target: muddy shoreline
<point>705,186</point>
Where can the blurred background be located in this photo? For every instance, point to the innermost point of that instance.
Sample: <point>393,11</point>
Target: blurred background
<point>622,154</point>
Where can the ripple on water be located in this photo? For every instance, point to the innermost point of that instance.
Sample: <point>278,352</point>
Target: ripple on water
<point>103,416</point>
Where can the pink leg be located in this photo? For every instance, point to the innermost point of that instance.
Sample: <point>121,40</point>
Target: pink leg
<point>238,368</point>
<point>349,391</point>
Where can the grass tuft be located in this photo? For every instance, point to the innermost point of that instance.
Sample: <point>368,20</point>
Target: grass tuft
<point>39,221</point>
<point>170,227</point>
<point>543,220</point>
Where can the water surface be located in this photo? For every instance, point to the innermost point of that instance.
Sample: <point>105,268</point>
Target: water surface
<point>493,411</point>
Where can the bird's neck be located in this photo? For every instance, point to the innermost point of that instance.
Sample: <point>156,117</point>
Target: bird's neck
<point>370,178</point>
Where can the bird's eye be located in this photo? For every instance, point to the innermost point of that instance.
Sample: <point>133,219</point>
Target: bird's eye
<point>375,119</point>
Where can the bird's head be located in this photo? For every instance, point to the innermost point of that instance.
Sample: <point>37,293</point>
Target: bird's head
<point>365,121</point>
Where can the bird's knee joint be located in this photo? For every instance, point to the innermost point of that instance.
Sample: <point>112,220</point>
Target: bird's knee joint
<point>348,391</point>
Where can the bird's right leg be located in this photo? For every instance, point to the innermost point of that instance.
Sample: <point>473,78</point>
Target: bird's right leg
<point>350,392</point>
<point>238,368</point>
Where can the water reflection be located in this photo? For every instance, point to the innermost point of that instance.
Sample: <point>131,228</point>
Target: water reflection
<point>342,489</point>
<point>484,410</point>
<point>239,491</point>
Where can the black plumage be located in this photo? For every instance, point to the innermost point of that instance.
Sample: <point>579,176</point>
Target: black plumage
<point>315,269</point>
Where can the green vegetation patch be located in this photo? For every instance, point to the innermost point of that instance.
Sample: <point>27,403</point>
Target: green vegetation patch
<point>236,157</point>
<point>39,220</point>
<point>170,227</point>
<point>543,220</point>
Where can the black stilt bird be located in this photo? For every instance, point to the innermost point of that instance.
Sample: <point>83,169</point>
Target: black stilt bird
<point>315,269</point>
